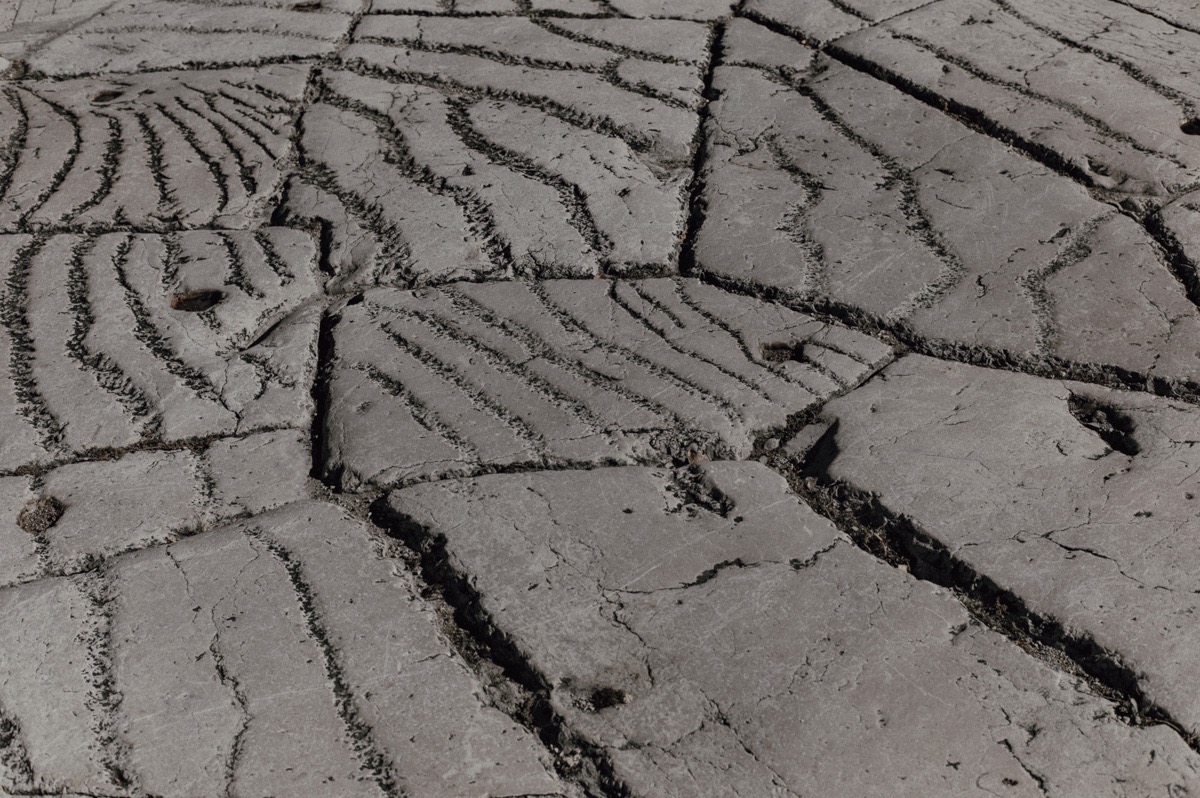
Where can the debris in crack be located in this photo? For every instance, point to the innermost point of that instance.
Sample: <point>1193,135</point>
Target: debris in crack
<point>39,514</point>
<point>195,301</point>
<point>1107,421</point>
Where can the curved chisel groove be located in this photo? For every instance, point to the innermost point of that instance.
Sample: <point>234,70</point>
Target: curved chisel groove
<point>540,347</point>
<point>64,169</point>
<point>661,372</point>
<point>104,370</point>
<point>505,365</point>
<point>14,316</point>
<point>421,412</point>
<point>570,195</point>
<point>479,216</point>
<point>636,140</point>
<point>641,319</point>
<point>211,163</point>
<point>373,758</point>
<point>148,334</point>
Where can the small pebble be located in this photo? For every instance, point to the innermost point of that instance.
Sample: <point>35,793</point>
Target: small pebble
<point>196,301</point>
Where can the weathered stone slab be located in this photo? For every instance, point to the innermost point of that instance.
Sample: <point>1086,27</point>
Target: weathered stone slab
<point>280,656</point>
<point>113,340</point>
<point>1103,91</point>
<point>825,183</point>
<point>678,9</point>
<point>645,100</point>
<point>134,35</point>
<point>1081,501</point>
<point>162,150</point>
<point>819,23</point>
<point>94,510</point>
<point>494,146</point>
<point>25,24</point>
<point>477,377</point>
<point>713,636</point>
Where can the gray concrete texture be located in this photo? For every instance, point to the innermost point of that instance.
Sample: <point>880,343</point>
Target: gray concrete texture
<point>599,398</point>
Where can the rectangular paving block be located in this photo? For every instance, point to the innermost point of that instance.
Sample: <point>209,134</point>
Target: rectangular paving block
<point>828,185</point>
<point>135,35</point>
<point>118,339</point>
<point>470,378</point>
<point>709,635</point>
<point>284,655</point>
<point>163,150</point>
<point>1083,502</point>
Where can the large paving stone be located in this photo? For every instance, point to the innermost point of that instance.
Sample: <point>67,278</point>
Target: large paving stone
<point>280,656</point>
<point>1103,90</point>
<point>685,9</point>
<point>1082,502</point>
<point>24,24</point>
<point>96,356</point>
<point>713,636</point>
<point>478,377</point>
<point>161,150</point>
<point>819,23</point>
<point>97,509</point>
<point>492,146</point>
<point>831,185</point>
<point>134,35</point>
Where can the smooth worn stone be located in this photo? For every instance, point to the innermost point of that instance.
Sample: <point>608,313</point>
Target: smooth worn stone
<point>712,636</point>
<point>828,185</point>
<point>95,356</point>
<point>284,655</point>
<point>136,35</point>
<point>163,150</point>
<point>1080,501</point>
<point>475,377</point>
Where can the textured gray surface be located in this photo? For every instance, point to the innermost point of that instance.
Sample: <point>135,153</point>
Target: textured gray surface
<point>599,398</point>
